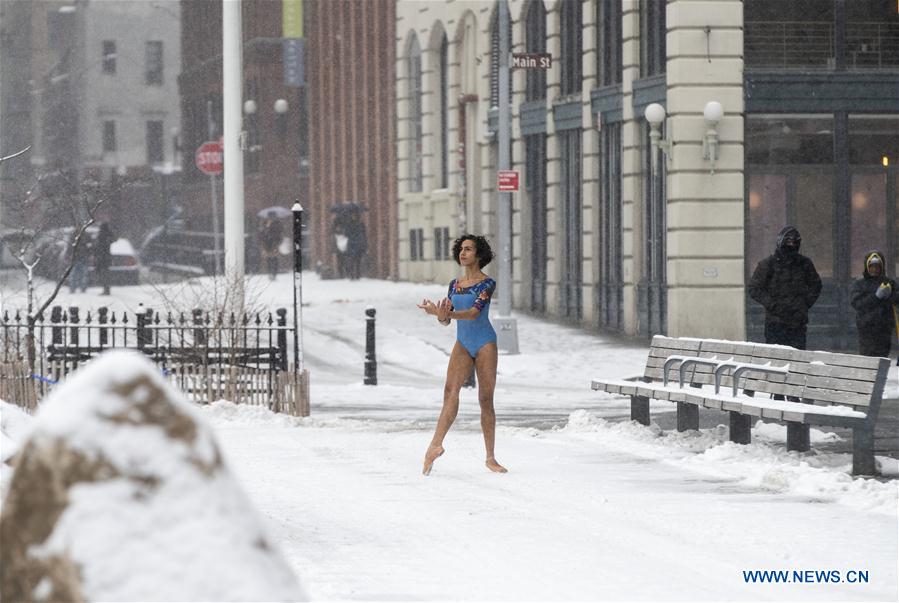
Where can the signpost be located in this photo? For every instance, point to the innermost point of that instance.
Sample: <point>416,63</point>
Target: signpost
<point>210,160</point>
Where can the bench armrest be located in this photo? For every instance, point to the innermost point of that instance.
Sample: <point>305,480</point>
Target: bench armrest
<point>740,368</point>
<point>687,361</point>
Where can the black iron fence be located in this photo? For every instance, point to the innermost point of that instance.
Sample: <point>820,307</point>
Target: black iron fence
<point>254,343</point>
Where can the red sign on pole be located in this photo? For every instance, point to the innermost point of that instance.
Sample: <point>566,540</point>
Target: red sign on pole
<point>209,157</point>
<point>507,181</point>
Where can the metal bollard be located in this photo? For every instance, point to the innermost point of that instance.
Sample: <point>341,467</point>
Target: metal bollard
<point>470,382</point>
<point>371,364</point>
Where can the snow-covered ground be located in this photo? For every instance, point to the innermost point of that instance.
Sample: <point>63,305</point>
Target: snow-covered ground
<point>593,508</point>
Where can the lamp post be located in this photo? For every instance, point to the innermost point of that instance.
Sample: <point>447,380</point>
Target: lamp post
<point>298,286</point>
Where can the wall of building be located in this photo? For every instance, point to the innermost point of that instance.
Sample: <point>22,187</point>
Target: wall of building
<point>352,109</point>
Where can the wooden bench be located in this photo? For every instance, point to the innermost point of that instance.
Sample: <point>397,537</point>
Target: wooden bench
<point>822,388</point>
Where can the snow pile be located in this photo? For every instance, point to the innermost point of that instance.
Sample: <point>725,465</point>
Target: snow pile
<point>15,424</point>
<point>121,493</point>
<point>765,463</point>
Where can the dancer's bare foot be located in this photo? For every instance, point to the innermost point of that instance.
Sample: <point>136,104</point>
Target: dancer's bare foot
<point>494,466</point>
<point>430,456</point>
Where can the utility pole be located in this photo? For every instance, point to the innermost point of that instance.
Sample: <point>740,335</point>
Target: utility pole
<point>232,91</point>
<point>216,245</point>
<point>506,326</point>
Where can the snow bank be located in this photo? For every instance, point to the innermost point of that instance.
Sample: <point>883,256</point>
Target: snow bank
<point>122,490</point>
<point>765,463</point>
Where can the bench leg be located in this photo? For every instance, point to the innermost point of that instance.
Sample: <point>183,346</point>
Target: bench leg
<point>740,428</point>
<point>640,409</point>
<point>862,451</point>
<point>798,437</point>
<point>687,416</point>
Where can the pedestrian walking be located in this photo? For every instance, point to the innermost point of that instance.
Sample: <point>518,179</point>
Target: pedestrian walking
<point>79,251</point>
<point>270,235</point>
<point>786,284</point>
<point>103,255</point>
<point>874,297</point>
<point>341,244</point>
<point>468,303</point>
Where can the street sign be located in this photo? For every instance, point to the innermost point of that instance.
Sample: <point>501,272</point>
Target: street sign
<point>507,181</point>
<point>531,60</point>
<point>209,157</point>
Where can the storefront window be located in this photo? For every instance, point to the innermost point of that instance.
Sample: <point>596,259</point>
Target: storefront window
<point>790,182</point>
<point>873,152</point>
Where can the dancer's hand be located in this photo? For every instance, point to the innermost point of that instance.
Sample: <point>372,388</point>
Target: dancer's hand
<point>443,309</point>
<point>428,306</point>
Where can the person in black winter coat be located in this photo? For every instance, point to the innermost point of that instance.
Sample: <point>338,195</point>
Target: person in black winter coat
<point>787,285</point>
<point>103,255</point>
<point>873,297</point>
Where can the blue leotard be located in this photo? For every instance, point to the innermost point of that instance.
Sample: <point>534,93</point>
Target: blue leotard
<point>473,334</point>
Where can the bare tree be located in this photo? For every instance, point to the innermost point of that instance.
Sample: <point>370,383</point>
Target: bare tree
<point>55,199</point>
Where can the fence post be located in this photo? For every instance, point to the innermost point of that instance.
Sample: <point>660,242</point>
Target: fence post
<point>102,319</point>
<point>55,319</point>
<point>371,363</point>
<point>144,318</point>
<point>199,331</point>
<point>73,320</point>
<point>282,339</point>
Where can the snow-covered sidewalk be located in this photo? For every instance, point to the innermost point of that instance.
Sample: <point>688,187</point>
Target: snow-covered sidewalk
<point>594,507</point>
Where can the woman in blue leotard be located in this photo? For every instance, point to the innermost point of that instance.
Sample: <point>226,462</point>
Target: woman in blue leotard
<point>468,303</point>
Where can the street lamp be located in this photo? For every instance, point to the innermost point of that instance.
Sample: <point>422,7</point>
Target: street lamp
<point>281,107</point>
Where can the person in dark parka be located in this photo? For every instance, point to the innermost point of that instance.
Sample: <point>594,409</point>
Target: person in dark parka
<point>787,285</point>
<point>103,255</point>
<point>873,297</point>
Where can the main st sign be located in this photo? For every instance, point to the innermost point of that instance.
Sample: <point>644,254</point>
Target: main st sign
<point>531,60</point>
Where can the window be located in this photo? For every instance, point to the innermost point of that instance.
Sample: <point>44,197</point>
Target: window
<point>572,56</point>
<point>155,153</point>
<point>652,37</point>
<point>863,35</point>
<point>441,243</point>
<point>109,56</point>
<point>611,292</point>
<point>416,244</point>
<point>443,131</point>
<point>109,145</point>
<point>608,42</point>
<point>535,42</point>
<point>153,71</point>
<point>413,75</point>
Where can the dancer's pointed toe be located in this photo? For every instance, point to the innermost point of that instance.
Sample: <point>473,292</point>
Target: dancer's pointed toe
<point>433,453</point>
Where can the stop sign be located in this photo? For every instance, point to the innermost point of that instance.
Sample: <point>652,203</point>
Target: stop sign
<point>209,157</point>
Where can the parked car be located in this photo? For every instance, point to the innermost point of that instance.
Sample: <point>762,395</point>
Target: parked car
<point>54,247</point>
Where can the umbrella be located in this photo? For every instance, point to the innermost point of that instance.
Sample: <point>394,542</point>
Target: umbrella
<point>347,207</point>
<point>275,212</point>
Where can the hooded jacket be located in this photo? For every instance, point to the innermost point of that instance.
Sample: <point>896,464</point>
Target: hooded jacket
<point>873,314</point>
<point>786,284</point>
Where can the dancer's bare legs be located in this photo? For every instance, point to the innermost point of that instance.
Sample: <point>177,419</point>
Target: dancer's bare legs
<point>485,365</point>
<point>457,372</point>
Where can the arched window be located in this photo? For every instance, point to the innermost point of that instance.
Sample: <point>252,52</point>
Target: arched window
<point>535,42</point>
<point>443,126</point>
<point>571,20</point>
<point>413,76</point>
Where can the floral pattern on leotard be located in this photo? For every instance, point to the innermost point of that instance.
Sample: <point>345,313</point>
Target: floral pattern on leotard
<point>484,290</point>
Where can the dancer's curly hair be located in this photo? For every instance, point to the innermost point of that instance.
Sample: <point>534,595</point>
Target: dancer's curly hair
<point>481,247</point>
